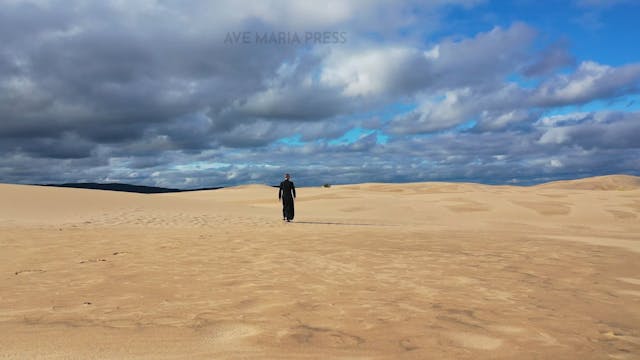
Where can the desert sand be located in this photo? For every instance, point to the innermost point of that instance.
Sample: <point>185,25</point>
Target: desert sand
<point>367,271</point>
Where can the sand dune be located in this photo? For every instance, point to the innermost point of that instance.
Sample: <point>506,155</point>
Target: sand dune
<point>610,182</point>
<point>366,271</point>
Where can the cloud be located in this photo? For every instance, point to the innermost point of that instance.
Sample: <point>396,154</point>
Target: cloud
<point>549,60</point>
<point>495,106</point>
<point>433,115</point>
<point>148,92</point>
<point>377,71</point>
<point>601,3</point>
<point>494,121</point>
<point>609,130</point>
<point>395,70</point>
<point>589,82</point>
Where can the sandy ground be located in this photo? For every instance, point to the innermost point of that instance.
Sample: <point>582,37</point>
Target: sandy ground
<point>369,271</point>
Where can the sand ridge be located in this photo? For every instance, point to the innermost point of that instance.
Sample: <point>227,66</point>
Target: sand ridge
<point>366,271</point>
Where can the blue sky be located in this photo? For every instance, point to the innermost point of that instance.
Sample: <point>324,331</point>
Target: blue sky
<point>150,93</point>
<point>604,31</point>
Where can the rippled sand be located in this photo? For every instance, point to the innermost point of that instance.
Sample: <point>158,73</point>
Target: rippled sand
<point>369,271</point>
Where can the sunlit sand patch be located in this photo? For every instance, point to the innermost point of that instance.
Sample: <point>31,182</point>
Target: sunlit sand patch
<point>494,295</point>
<point>463,280</point>
<point>630,292</point>
<point>545,338</point>
<point>507,329</point>
<point>546,207</point>
<point>412,308</point>
<point>631,245</point>
<point>623,356</point>
<point>476,341</point>
<point>466,205</point>
<point>612,335</point>
<point>227,332</point>
<point>622,215</point>
<point>555,196</point>
<point>630,280</point>
<point>354,209</point>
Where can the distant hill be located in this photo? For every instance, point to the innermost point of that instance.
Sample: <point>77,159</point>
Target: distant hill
<point>607,182</point>
<point>125,187</point>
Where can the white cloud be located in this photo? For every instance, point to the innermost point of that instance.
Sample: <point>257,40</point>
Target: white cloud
<point>602,3</point>
<point>492,121</point>
<point>555,163</point>
<point>435,113</point>
<point>563,119</point>
<point>371,71</point>
<point>602,130</point>
<point>590,81</point>
<point>555,136</point>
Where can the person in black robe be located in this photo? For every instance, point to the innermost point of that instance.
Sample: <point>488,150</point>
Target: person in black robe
<point>287,193</point>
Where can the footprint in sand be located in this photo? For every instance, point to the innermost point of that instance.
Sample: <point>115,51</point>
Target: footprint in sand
<point>321,336</point>
<point>407,344</point>
<point>624,343</point>
<point>92,260</point>
<point>28,271</point>
<point>101,259</point>
<point>615,335</point>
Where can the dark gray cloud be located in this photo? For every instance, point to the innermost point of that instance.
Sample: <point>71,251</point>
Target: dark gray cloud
<point>551,59</point>
<point>609,130</point>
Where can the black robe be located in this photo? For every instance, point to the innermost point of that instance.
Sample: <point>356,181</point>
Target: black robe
<point>287,193</point>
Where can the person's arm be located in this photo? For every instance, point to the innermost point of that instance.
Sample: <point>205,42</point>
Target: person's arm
<point>280,192</point>
<point>293,189</point>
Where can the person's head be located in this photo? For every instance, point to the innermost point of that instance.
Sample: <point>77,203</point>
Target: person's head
<point>287,176</point>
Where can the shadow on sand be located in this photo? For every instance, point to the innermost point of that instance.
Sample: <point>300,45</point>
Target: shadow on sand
<point>338,223</point>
